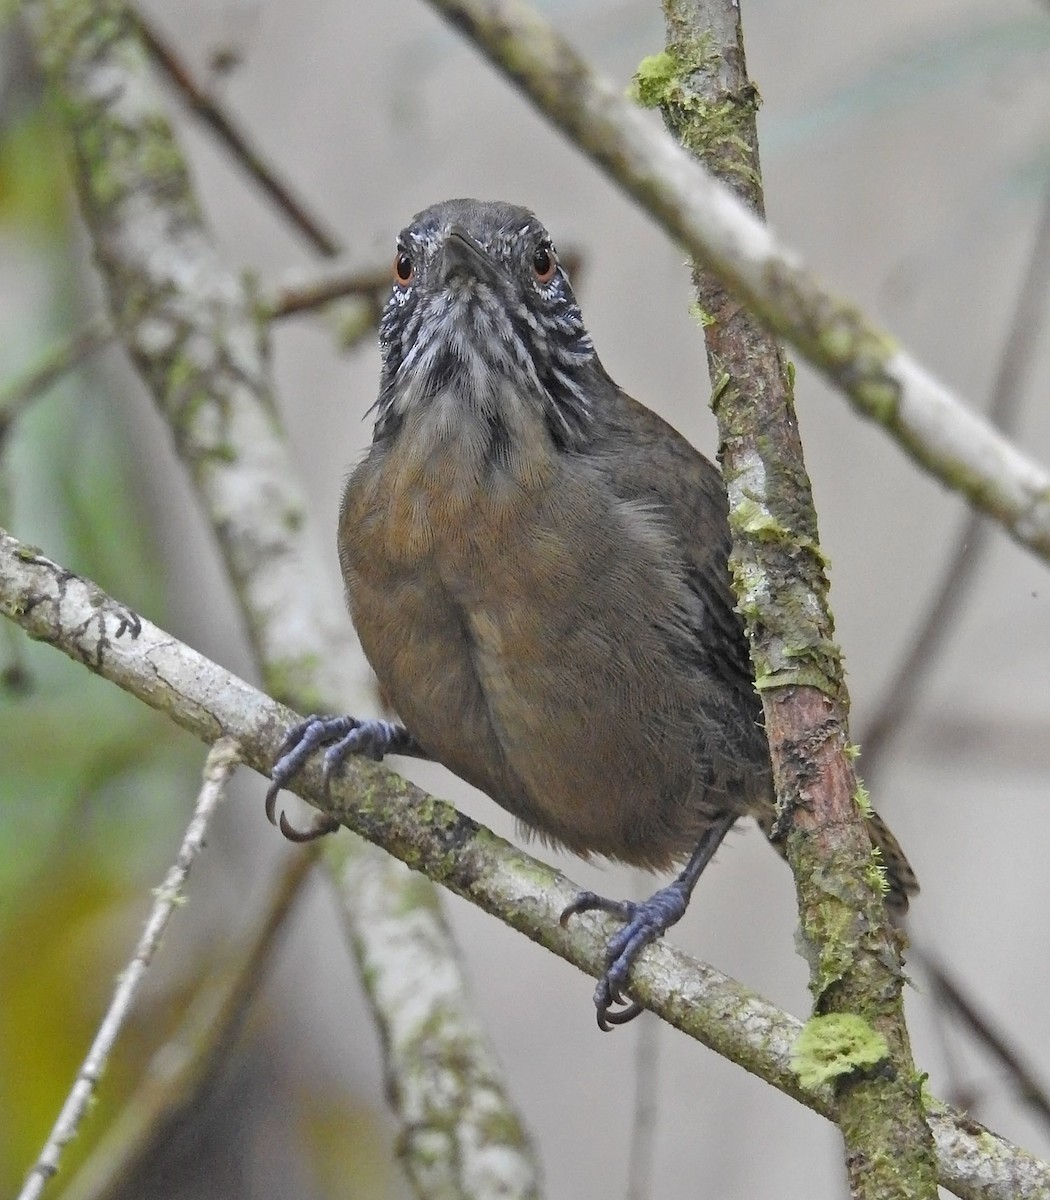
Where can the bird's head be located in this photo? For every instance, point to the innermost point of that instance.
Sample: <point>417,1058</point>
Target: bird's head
<point>481,308</point>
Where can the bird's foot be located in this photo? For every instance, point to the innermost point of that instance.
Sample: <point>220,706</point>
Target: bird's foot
<point>343,736</point>
<point>644,922</point>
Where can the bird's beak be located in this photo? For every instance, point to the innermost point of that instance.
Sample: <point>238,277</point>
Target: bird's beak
<point>462,257</point>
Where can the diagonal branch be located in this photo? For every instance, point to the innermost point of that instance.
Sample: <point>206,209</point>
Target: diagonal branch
<point>218,768</point>
<point>194,333</point>
<point>885,383</point>
<point>182,1068</point>
<point>208,109</point>
<point>58,607</point>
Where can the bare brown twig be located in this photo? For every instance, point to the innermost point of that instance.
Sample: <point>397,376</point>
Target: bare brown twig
<point>209,110</point>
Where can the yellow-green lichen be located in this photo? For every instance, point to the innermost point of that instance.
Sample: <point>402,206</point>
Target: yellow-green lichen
<point>721,386</point>
<point>702,317</point>
<point>752,518</point>
<point>876,875</point>
<point>705,127</point>
<point>832,929</point>
<point>789,371</point>
<point>290,680</point>
<point>880,397</point>
<point>836,1045</point>
<point>655,78</point>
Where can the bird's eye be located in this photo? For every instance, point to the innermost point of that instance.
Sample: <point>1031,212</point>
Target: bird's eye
<point>544,262</point>
<point>403,269</point>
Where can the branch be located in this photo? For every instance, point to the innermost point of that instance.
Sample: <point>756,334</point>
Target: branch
<point>193,332</point>
<point>56,606</point>
<point>289,300</point>
<point>854,952</point>
<point>645,1115</point>
<point>64,358</point>
<point>451,1145</point>
<point>219,766</point>
<point>885,383</point>
<point>181,1069</point>
<point>209,110</point>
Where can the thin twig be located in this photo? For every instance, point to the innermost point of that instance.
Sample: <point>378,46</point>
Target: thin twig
<point>883,381</point>
<point>642,1149</point>
<point>209,109</point>
<point>182,1069</point>
<point>218,767</point>
<point>1019,351</point>
<point>370,284</point>
<point>93,336</point>
<point>290,300</point>
<point>949,993</point>
<point>56,606</point>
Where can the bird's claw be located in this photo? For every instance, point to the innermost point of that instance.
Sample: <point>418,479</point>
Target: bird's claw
<point>644,922</point>
<point>342,736</point>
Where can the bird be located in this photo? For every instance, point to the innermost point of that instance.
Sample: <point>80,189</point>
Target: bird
<point>536,565</point>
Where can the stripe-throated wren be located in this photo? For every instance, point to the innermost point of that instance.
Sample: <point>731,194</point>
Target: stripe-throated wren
<point>536,566</point>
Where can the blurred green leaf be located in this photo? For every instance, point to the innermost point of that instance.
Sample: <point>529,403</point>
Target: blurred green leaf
<point>34,184</point>
<point>94,787</point>
<point>59,956</point>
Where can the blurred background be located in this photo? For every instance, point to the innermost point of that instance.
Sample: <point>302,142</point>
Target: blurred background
<point>906,155</point>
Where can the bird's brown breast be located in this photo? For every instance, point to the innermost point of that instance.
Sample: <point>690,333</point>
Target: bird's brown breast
<point>509,615</point>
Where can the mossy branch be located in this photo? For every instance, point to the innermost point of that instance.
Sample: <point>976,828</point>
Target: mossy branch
<point>884,382</point>
<point>195,333</point>
<point>858,1038</point>
<point>56,606</point>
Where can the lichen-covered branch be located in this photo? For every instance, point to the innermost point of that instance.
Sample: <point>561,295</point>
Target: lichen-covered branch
<point>457,1140</point>
<point>190,326</point>
<point>56,606</point>
<point>885,383</point>
<point>858,1032</point>
<point>194,333</point>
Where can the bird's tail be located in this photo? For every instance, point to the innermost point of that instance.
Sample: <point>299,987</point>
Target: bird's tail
<point>900,878</point>
<point>901,883</point>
